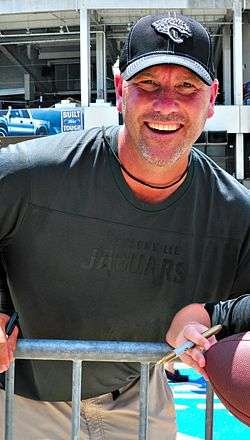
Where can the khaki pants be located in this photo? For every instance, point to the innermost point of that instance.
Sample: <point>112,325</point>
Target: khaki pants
<point>102,418</point>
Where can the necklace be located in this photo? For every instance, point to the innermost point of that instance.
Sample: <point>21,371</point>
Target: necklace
<point>136,179</point>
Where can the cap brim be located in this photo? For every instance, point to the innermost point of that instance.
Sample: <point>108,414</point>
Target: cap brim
<point>156,59</point>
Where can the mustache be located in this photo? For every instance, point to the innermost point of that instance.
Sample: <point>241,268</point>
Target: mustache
<point>172,117</point>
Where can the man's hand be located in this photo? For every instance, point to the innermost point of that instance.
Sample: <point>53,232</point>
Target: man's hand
<point>194,357</point>
<point>7,343</point>
<point>188,324</point>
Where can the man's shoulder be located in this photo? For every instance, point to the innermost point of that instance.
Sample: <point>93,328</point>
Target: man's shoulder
<point>47,151</point>
<point>216,175</point>
<point>225,191</point>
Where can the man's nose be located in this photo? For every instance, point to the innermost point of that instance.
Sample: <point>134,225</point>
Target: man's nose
<point>165,102</point>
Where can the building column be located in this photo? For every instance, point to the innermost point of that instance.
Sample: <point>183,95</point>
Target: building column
<point>238,81</point>
<point>226,51</point>
<point>85,55</point>
<point>29,88</point>
<point>101,66</point>
<point>29,83</point>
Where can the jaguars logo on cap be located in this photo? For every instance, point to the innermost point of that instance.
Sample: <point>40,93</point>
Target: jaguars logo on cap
<point>175,28</point>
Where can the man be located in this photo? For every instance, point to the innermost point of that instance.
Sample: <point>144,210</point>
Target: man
<point>108,234</point>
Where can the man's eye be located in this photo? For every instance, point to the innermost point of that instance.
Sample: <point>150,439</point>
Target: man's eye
<point>187,85</point>
<point>148,84</point>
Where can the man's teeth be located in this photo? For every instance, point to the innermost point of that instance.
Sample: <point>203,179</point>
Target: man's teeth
<point>164,127</point>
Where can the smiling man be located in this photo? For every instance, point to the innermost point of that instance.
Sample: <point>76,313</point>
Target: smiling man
<point>125,233</point>
<point>165,108</point>
<point>166,90</point>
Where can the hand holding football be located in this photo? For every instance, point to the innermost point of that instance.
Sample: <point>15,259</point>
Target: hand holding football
<point>228,369</point>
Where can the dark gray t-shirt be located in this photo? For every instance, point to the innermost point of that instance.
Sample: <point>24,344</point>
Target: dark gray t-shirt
<point>85,259</point>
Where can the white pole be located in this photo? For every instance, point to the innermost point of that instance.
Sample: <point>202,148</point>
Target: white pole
<point>237,55</point>
<point>238,81</point>
<point>99,65</point>
<point>84,54</point>
<point>227,65</point>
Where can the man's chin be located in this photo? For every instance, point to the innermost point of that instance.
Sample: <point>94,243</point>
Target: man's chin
<point>163,159</point>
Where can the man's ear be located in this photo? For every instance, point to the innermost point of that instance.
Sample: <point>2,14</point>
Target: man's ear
<point>118,90</point>
<point>214,88</point>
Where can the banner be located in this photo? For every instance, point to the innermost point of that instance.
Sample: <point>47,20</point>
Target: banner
<point>40,121</point>
<point>71,120</point>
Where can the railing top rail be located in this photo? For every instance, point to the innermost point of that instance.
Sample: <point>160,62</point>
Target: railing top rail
<point>108,351</point>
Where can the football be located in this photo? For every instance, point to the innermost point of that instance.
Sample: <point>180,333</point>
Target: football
<point>228,369</point>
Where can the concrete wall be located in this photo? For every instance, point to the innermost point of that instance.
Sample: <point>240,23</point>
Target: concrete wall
<point>11,76</point>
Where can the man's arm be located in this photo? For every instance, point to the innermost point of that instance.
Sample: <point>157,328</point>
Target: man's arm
<point>14,200</point>
<point>192,320</point>
<point>234,314</point>
<point>7,344</point>
<point>188,324</point>
<point>191,314</point>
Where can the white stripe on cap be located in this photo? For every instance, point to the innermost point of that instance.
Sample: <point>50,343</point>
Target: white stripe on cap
<point>164,58</point>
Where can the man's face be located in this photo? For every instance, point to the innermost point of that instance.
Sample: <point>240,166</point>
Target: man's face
<point>164,109</point>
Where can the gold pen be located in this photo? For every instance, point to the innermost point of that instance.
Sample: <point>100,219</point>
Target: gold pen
<point>187,345</point>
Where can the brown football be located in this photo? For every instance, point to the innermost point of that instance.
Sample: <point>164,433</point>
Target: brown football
<point>228,369</point>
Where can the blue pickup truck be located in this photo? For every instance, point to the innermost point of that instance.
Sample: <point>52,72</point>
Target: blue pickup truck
<point>20,122</point>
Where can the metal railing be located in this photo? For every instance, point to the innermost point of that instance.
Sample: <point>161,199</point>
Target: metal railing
<point>80,351</point>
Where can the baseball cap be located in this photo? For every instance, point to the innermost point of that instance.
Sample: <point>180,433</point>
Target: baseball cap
<point>168,39</point>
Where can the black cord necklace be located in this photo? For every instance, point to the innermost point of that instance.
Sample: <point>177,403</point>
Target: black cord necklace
<point>136,178</point>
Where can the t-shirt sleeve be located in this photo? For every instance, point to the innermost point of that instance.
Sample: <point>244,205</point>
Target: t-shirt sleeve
<point>241,283</point>
<point>6,305</point>
<point>14,190</point>
<point>233,314</point>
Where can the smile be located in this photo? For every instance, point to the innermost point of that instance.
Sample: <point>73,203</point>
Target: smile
<point>163,128</point>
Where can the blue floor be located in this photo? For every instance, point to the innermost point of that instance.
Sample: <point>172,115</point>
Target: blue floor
<point>190,401</point>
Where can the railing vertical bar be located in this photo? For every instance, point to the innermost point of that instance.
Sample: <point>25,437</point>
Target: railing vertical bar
<point>9,398</point>
<point>143,419</point>
<point>209,413</point>
<point>76,399</point>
